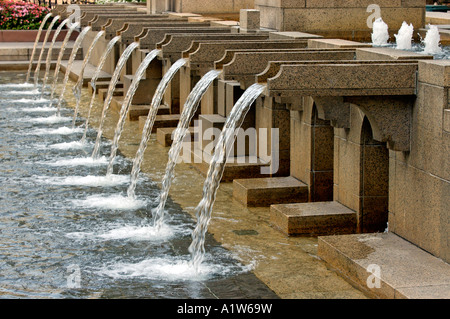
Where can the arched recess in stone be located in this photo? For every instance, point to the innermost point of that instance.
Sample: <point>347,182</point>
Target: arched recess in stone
<point>322,158</point>
<point>390,118</point>
<point>374,182</point>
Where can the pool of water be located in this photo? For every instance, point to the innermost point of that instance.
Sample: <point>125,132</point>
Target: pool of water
<point>67,231</point>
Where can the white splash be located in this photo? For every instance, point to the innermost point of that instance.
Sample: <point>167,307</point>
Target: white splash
<point>70,145</point>
<point>168,268</point>
<point>54,119</point>
<point>38,109</point>
<point>78,161</point>
<point>18,85</point>
<point>113,202</point>
<point>431,41</point>
<point>95,181</point>
<point>128,232</point>
<point>405,36</point>
<point>23,92</point>
<point>33,101</point>
<point>57,131</point>
<point>380,34</point>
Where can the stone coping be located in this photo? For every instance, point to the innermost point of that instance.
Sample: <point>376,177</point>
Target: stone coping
<point>397,268</point>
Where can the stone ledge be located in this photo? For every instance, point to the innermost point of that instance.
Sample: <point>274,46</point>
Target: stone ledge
<point>235,168</point>
<point>263,192</point>
<point>88,73</point>
<point>164,135</point>
<point>406,271</point>
<point>103,85</point>
<point>335,44</point>
<point>312,219</point>
<point>169,120</point>
<point>389,54</point>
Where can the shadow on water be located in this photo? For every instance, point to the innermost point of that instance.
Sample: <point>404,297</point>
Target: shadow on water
<point>55,247</point>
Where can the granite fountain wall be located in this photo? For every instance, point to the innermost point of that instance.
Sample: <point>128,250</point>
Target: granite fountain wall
<point>362,152</point>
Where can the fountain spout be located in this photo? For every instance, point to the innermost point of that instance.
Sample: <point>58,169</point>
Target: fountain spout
<point>103,58</point>
<point>77,87</point>
<point>380,34</point>
<point>38,67</point>
<point>44,21</point>
<point>404,36</point>
<point>112,85</point>
<point>216,169</point>
<point>127,103</point>
<point>432,40</point>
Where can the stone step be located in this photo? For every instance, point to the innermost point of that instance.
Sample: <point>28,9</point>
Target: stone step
<point>88,73</point>
<point>21,51</point>
<point>236,167</point>
<point>211,127</point>
<point>403,270</point>
<point>263,192</point>
<point>169,120</point>
<point>102,85</point>
<point>101,95</point>
<point>136,110</point>
<point>23,65</point>
<point>142,110</point>
<point>313,219</point>
<point>164,135</point>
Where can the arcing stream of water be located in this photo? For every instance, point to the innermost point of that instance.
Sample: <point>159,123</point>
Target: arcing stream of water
<point>161,271</point>
<point>33,52</point>
<point>127,104</point>
<point>60,57</point>
<point>189,110</point>
<point>73,54</point>
<point>147,130</point>
<point>103,58</point>
<point>49,54</point>
<point>216,168</point>
<point>109,95</point>
<point>77,87</point>
<point>47,34</point>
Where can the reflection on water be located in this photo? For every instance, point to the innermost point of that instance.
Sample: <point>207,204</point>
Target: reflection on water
<point>57,242</point>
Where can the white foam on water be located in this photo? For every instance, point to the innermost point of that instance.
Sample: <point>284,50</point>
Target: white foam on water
<point>168,268</point>
<point>37,109</point>
<point>17,85</point>
<point>23,92</point>
<point>78,161</point>
<point>405,36</point>
<point>70,145</point>
<point>32,101</point>
<point>111,202</point>
<point>380,34</point>
<point>129,232</point>
<point>95,181</point>
<point>139,233</point>
<point>432,41</point>
<point>47,120</point>
<point>57,131</point>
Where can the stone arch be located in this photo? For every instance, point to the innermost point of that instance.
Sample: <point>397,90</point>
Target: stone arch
<point>390,118</point>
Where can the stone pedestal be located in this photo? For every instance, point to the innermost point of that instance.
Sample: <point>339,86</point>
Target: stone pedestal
<point>263,192</point>
<point>249,20</point>
<point>313,218</point>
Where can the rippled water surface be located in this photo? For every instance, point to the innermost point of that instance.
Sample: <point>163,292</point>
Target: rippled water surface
<point>68,231</point>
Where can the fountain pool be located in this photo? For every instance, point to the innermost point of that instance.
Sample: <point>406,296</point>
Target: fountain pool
<point>53,247</point>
